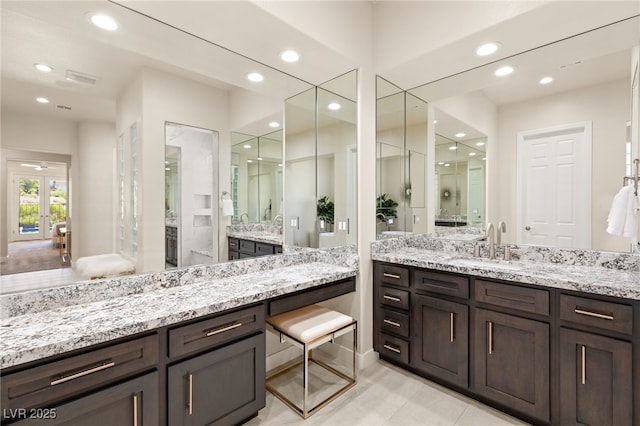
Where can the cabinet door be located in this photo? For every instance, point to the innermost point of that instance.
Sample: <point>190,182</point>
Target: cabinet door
<point>224,386</point>
<point>441,342</point>
<point>595,380</point>
<point>512,362</point>
<point>134,402</point>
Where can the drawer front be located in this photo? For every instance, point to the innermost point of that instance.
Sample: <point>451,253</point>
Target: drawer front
<point>308,297</point>
<point>435,282</point>
<point>394,275</point>
<point>264,249</point>
<point>513,296</point>
<point>597,313</point>
<point>68,377</point>
<point>234,244</point>
<point>394,322</point>
<point>247,246</point>
<point>215,331</point>
<point>394,297</point>
<point>393,348</point>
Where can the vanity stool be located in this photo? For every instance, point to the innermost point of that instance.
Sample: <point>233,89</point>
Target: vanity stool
<point>307,328</point>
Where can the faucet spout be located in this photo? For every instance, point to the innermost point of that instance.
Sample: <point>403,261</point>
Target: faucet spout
<point>502,227</point>
<point>490,233</point>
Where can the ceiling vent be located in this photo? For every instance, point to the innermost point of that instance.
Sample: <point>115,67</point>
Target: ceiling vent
<point>78,77</point>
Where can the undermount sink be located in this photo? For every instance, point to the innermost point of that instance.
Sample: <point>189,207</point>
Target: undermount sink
<point>485,264</point>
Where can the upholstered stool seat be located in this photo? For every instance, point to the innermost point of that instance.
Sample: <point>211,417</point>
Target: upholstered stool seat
<point>307,328</point>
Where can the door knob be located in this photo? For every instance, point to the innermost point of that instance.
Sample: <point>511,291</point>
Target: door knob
<point>527,228</point>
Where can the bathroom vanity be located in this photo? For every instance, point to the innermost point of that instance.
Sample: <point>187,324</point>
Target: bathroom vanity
<point>185,346</point>
<point>549,343</point>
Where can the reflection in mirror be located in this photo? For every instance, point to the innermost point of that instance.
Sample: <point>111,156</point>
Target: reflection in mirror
<point>401,156</point>
<point>591,84</point>
<point>320,165</point>
<point>190,195</point>
<point>459,174</point>
<point>244,151</point>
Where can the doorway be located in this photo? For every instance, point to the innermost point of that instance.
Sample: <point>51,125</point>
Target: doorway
<point>554,186</point>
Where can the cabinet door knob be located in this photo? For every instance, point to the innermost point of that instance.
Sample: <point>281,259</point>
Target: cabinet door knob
<point>527,228</point>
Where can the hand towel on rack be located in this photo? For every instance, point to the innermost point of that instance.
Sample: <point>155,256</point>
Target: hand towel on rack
<point>623,216</point>
<point>227,207</point>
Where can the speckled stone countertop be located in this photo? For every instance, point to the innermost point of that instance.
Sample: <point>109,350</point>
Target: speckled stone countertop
<point>256,232</point>
<point>590,271</point>
<point>43,323</point>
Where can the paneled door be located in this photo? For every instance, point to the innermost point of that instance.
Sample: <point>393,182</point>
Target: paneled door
<point>40,202</point>
<point>554,186</point>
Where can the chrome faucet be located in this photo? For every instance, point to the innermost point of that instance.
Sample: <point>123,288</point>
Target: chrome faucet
<point>277,220</point>
<point>502,227</point>
<point>492,245</point>
<point>243,215</point>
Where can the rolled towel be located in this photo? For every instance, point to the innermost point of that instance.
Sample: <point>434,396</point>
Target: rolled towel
<point>623,218</point>
<point>227,207</point>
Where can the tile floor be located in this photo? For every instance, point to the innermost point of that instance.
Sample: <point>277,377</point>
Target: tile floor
<point>389,396</point>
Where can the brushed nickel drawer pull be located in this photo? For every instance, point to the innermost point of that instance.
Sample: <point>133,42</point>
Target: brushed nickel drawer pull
<point>490,337</point>
<point>451,318</point>
<point>593,314</point>
<point>64,379</point>
<point>190,403</point>
<point>397,277</point>
<point>392,298</point>
<point>135,410</point>
<point>584,367</point>
<point>223,329</point>
<point>391,348</point>
<point>393,323</point>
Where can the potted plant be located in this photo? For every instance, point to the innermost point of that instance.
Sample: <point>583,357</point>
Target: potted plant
<point>386,208</point>
<point>324,211</point>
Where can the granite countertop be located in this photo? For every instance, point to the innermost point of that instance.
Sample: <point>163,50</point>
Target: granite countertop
<point>46,332</point>
<point>623,283</point>
<point>259,236</point>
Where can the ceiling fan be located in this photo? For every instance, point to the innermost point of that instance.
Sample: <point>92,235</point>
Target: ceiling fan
<point>42,166</point>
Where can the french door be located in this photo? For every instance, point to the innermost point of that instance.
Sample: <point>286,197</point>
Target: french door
<point>41,202</point>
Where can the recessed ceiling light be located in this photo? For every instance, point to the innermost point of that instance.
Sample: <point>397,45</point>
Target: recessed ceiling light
<point>334,106</point>
<point>249,161</point>
<point>484,158</point>
<point>435,121</point>
<point>42,100</point>
<point>546,80</point>
<point>255,77</point>
<point>43,67</point>
<point>167,168</point>
<point>290,56</point>
<point>105,22</point>
<point>461,135</point>
<point>479,143</point>
<point>488,48</point>
<point>274,124</point>
<point>440,163</point>
<point>279,164</point>
<point>246,146</point>
<point>259,158</point>
<point>471,154</point>
<point>502,71</point>
<point>453,148</point>
<point>447,165</point>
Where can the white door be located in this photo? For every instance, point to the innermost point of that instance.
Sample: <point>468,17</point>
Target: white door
<point>554,186</point>
<point>41,201</point>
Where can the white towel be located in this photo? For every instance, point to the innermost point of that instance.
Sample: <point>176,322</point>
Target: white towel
<point>227,207</point>
<point>623,216</point>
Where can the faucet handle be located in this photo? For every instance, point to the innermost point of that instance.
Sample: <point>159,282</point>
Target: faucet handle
<point>476,250</point>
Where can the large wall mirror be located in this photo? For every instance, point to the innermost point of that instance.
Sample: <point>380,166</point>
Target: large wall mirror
<point>321,165</point>
<point>117,104</point>
<point>573,126</point>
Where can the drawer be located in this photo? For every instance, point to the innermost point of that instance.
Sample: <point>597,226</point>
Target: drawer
<point>264,249</point>
<point>389,274</point>
<point>247,246</point>
<point>597,313</point>
<point>435,282</point>
<point>215,331</point>
<point>513,296</point>
<point>234,244</point>
<point>393,348</point>
<point>394,297</point>
<point>58,380</point>
<point>310,296</point>
<point>394,322</point>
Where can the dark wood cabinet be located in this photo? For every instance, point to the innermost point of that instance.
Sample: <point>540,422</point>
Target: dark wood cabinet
<point>221,387</point>
<point>441,344</point>
<point>171,245</point>
<point>596,386</point>
<point>243,249</point>
<point>512,362</point>
<point>134,403</point>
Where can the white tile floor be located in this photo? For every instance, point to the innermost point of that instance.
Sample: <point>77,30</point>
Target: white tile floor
<point>389,396</point>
